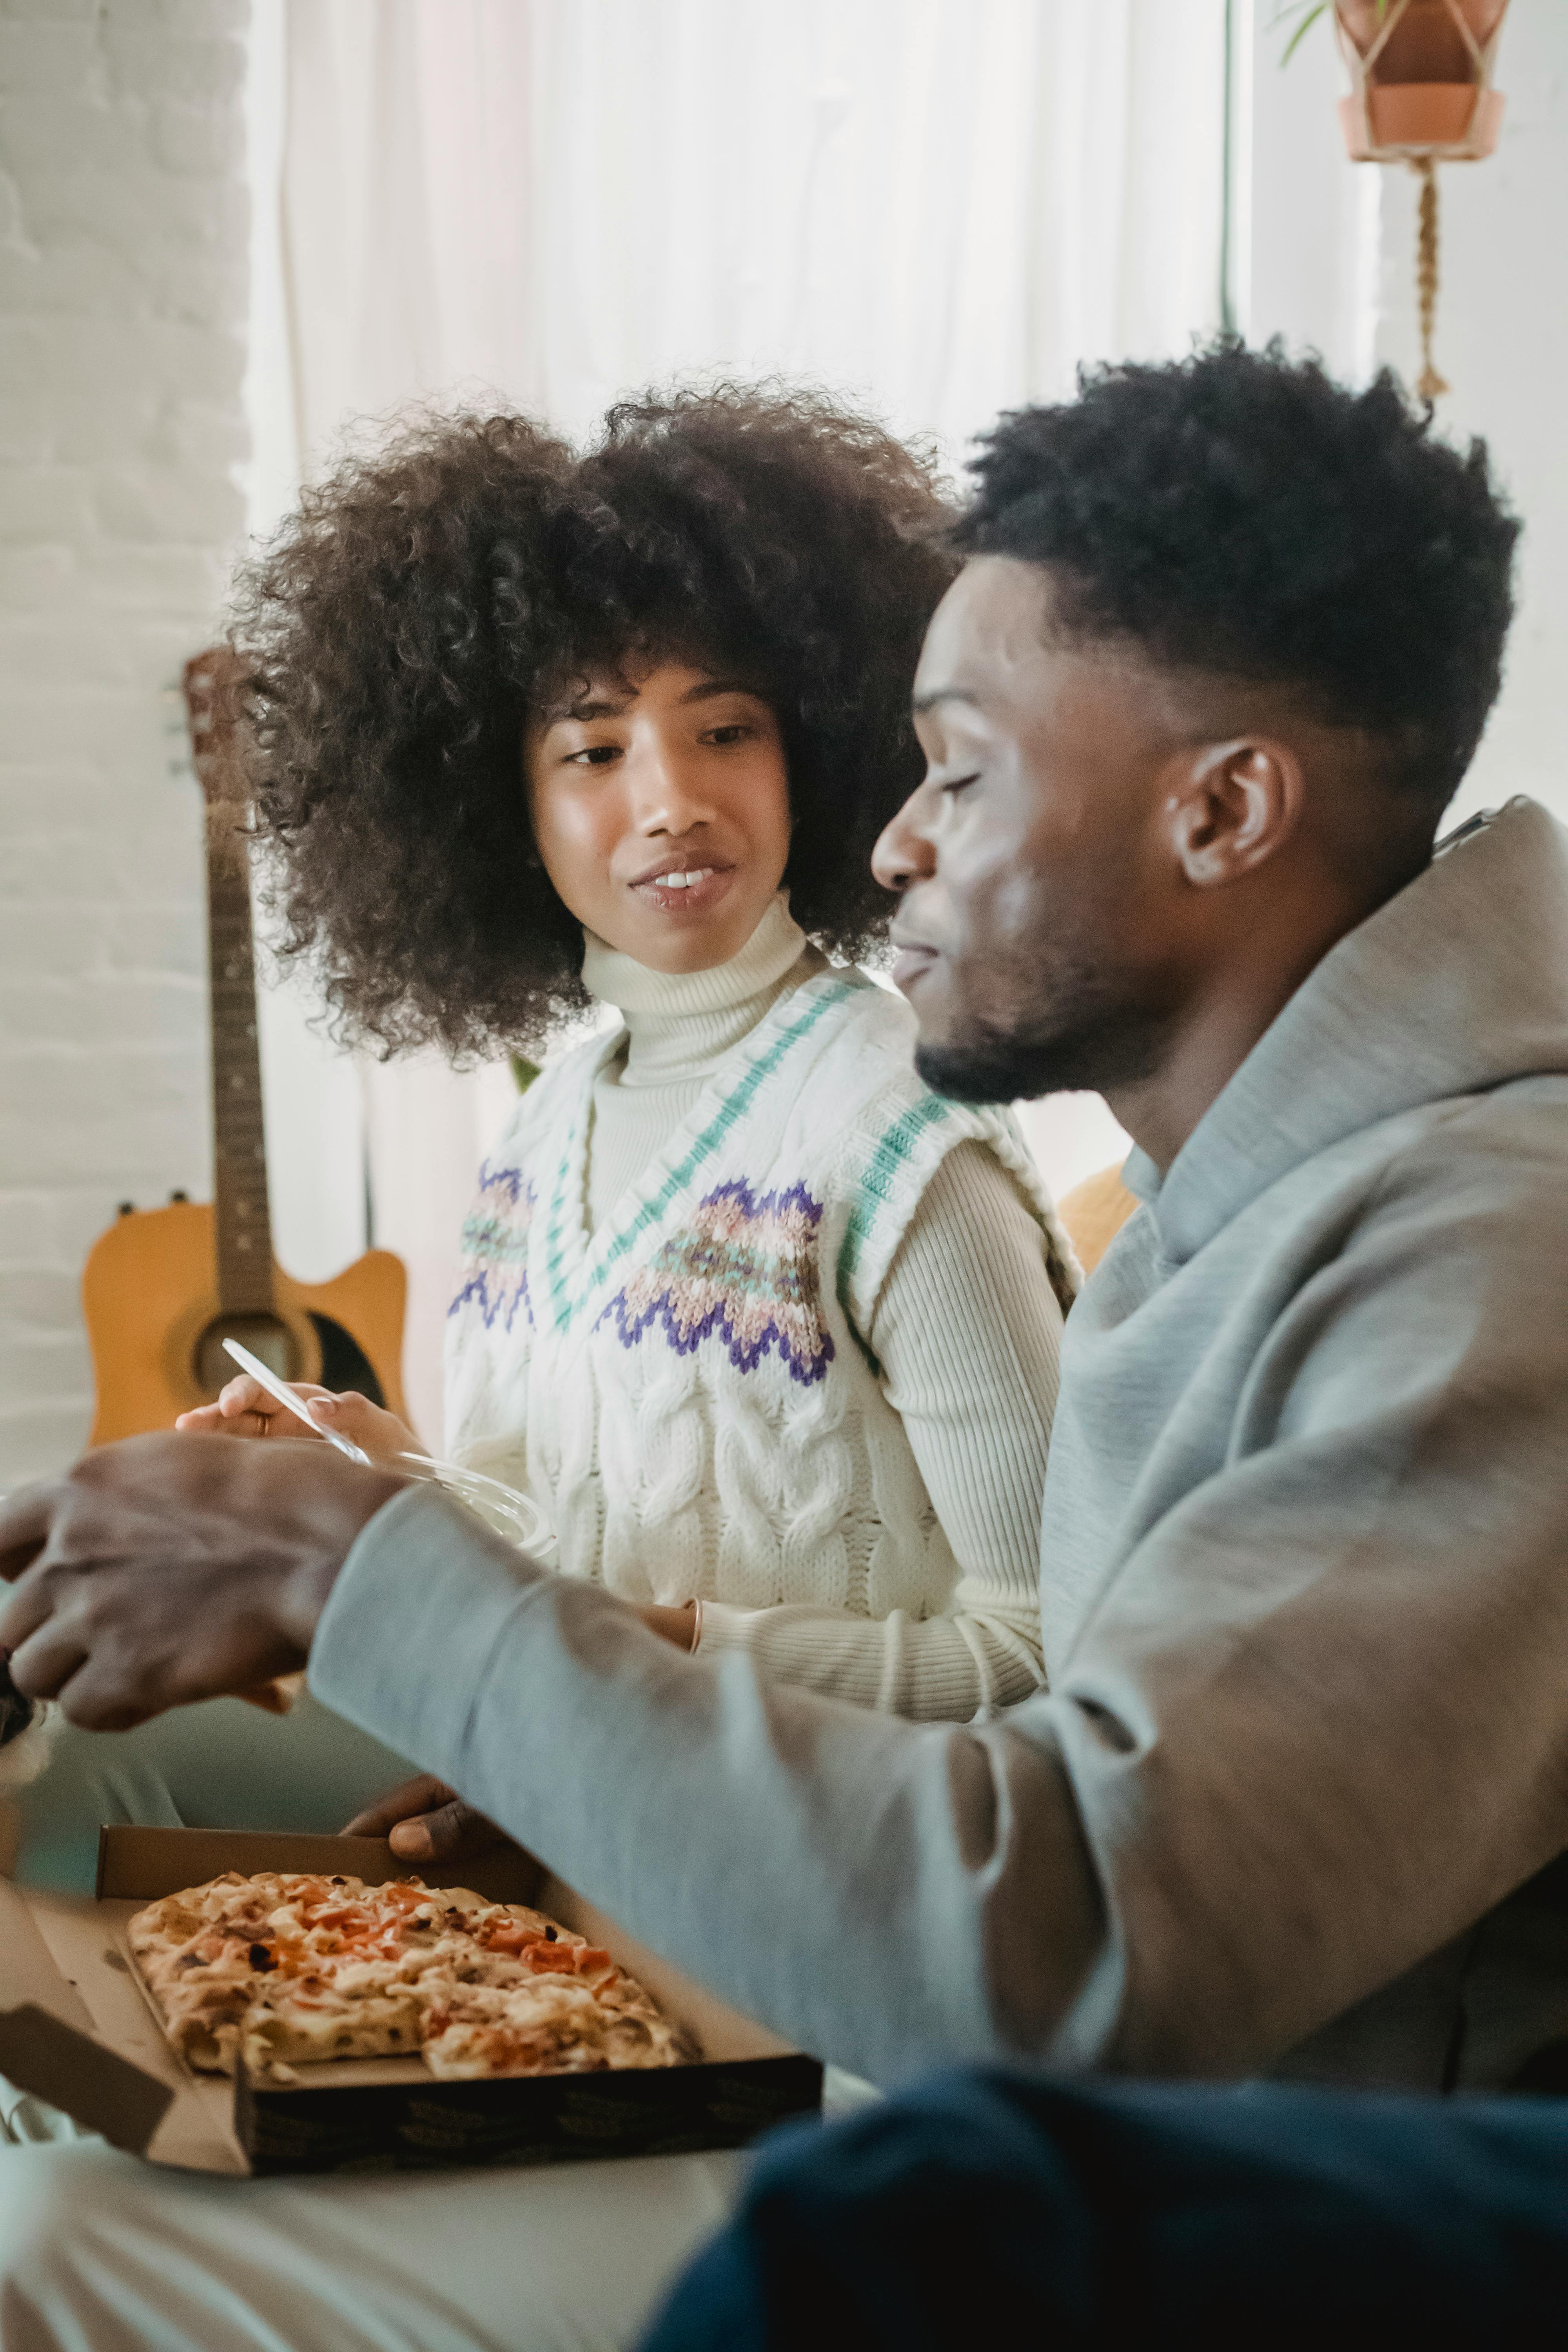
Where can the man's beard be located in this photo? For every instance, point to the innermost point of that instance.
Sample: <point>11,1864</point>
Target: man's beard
<point>1089,1042</point>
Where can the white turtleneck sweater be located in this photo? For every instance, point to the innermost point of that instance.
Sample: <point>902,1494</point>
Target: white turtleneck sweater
<point>966,1332</point>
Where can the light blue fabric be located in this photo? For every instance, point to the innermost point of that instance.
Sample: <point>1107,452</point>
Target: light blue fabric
<point>102,2252</point>
<point>225,1764</point>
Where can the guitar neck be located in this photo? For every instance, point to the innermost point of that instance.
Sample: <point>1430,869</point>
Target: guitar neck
<point>244,1224</point>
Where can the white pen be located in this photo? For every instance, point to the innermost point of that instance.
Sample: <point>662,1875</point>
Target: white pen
<point>276,1388</point>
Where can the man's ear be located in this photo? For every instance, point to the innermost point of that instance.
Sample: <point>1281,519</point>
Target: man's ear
<point>1230,806</point>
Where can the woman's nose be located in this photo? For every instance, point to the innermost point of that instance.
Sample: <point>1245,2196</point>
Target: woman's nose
<point>665,796</point>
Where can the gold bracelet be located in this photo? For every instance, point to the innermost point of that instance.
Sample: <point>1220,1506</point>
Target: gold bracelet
<point>695,1624</point>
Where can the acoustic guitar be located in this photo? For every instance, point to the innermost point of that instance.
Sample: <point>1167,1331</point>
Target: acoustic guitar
<point>163,1289</point>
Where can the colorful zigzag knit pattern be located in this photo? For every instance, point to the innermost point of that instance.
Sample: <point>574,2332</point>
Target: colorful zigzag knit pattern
<point>495,1249</point>
<point>744,1272</point>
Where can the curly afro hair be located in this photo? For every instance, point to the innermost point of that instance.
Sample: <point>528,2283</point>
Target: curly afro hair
<point>425,600</point>
<point>1239,513</point>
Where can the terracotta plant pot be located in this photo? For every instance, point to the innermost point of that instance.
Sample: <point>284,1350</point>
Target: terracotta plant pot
<point>1421,75</point>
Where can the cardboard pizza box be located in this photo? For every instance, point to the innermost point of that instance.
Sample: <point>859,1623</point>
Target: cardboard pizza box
<point>78,2030</point>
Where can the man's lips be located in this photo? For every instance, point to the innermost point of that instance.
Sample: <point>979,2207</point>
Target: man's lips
<point>914,961</point>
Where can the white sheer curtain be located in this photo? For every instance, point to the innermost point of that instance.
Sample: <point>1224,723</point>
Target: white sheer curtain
<point>938,207</point>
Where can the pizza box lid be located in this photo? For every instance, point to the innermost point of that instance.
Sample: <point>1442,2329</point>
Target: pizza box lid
<point>78,2030</point>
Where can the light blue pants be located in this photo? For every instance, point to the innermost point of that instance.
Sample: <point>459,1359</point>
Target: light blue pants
<point>223,1765</point>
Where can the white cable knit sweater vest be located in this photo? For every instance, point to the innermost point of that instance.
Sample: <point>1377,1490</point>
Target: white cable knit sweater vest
<point>683,1391</point>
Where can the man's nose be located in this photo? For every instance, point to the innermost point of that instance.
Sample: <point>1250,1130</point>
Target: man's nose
<point>904,855</point>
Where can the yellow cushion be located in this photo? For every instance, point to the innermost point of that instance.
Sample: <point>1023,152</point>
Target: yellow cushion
<point>1094,1213</point>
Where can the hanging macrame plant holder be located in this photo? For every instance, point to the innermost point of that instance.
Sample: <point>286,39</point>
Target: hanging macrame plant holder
<point>1421,93</point>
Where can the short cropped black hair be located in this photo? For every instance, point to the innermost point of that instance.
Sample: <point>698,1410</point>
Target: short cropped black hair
<point>1239,513</point>
<point>426,599</point>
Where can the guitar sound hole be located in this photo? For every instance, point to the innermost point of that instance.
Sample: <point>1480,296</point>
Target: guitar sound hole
<point>266,1337</point>
<point>345,1364</point>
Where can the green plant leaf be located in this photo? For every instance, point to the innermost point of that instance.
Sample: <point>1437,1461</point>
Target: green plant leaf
<point>1313,10</point>
<point>1309,11</point>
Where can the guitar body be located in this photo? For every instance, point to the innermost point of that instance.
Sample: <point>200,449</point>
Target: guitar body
<point>164,1287</point>
<point>149,1291</point>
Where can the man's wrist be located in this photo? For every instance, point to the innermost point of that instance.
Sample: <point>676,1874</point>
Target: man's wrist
<point>309,1585</point>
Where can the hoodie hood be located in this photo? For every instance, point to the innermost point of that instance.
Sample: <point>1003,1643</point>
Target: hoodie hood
<point>1457,985</point>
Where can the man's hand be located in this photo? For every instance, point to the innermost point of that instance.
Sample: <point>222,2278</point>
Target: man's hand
<point>425,1821</point>
<point>170,1569</point>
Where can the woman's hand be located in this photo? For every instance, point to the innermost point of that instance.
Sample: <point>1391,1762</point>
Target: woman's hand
<point>244,1409</point>
<point>678,1622</point>
<point>426,1821</point>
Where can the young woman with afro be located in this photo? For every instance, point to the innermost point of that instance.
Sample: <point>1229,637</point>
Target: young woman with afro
<point>766,1329</point>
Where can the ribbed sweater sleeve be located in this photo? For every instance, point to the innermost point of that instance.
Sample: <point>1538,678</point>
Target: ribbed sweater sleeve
<point>967,1332</point>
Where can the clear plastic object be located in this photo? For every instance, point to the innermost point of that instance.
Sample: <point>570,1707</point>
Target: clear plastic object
<point>503,1510</point>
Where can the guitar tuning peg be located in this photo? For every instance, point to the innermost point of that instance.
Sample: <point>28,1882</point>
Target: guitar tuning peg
<point>126,1207</point>
<point>179,1196</point>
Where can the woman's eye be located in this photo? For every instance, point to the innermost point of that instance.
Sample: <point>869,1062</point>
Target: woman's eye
<point>736,732</point>
<point>953,785</point>
<point>593,755</point>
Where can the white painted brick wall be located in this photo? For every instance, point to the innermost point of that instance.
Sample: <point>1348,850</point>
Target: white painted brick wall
<point>122,320</point>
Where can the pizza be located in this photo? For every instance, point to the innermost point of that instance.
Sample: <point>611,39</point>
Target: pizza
<point>283,1969</point>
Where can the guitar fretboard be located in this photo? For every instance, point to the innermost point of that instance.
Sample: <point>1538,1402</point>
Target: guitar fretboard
<point>244,1227</point>
<point>244,1224</point>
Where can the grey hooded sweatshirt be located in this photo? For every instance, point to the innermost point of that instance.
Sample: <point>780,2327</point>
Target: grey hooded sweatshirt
<point>1293,1797</point>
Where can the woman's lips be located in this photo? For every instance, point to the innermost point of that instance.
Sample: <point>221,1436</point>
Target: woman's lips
<point>693,893</point>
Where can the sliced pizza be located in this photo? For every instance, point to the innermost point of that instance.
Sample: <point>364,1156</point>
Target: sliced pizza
<point>291,1969</point>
